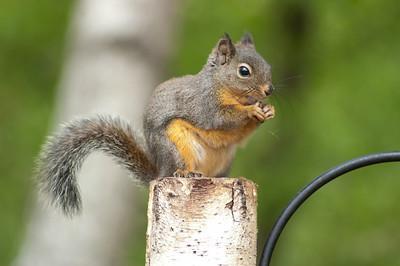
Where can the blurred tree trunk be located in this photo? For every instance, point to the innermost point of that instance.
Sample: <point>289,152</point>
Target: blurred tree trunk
<point>117,53</point>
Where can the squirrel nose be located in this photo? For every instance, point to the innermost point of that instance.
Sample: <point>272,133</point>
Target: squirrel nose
<point>268,89</point>
<point>271,88</point>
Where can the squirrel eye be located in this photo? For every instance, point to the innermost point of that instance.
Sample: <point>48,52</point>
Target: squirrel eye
<point>244,70</point>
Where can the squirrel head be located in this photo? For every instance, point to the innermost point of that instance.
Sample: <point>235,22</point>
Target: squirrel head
<point>240,69</point>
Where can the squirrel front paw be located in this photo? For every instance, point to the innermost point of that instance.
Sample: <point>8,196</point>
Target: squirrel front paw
<point>260,112</point>
<point>269,111</point>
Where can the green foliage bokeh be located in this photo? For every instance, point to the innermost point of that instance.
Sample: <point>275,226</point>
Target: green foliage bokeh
<point>335,64</point>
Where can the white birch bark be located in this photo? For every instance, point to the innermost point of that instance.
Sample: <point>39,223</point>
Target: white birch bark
<point>202,221</point>
<point>116,57</point>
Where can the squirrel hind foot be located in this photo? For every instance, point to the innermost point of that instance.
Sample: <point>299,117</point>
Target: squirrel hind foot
<point>186,173</point>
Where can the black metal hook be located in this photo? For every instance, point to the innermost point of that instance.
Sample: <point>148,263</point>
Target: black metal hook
<point>312,187</point>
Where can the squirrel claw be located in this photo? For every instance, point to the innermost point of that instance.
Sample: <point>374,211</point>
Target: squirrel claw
<point>195,174</point>
<point>178,173</point>
<point>256,112</point>
<point>269,111</point>
<point>260,112</point>
<point>186,173</point>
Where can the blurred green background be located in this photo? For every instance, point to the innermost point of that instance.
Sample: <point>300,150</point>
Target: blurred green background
<point>336,66</point>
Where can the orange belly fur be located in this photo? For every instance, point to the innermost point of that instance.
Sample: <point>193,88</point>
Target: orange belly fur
<point>206,151</point>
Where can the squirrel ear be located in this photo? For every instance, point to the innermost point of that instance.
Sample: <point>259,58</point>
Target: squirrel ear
<point>247,39</point>
<point>225,50</point>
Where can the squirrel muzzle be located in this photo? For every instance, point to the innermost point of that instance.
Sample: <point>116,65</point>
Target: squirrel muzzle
<point>259,95</point>
<point>267,89</point>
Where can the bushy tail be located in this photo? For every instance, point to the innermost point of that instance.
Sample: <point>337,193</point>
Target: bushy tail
<point>64,153</point>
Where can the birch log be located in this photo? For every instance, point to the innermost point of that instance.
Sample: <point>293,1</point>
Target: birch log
<point>202,221</point>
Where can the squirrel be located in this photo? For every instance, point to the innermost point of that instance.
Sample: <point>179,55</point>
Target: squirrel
<point>192,126</point>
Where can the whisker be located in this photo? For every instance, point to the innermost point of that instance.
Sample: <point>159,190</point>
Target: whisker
<point>246,92</point>
<point>277,86</point>
<point>291,77</point>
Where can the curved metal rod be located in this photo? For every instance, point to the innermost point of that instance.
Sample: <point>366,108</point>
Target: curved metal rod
<point>316,184</point>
